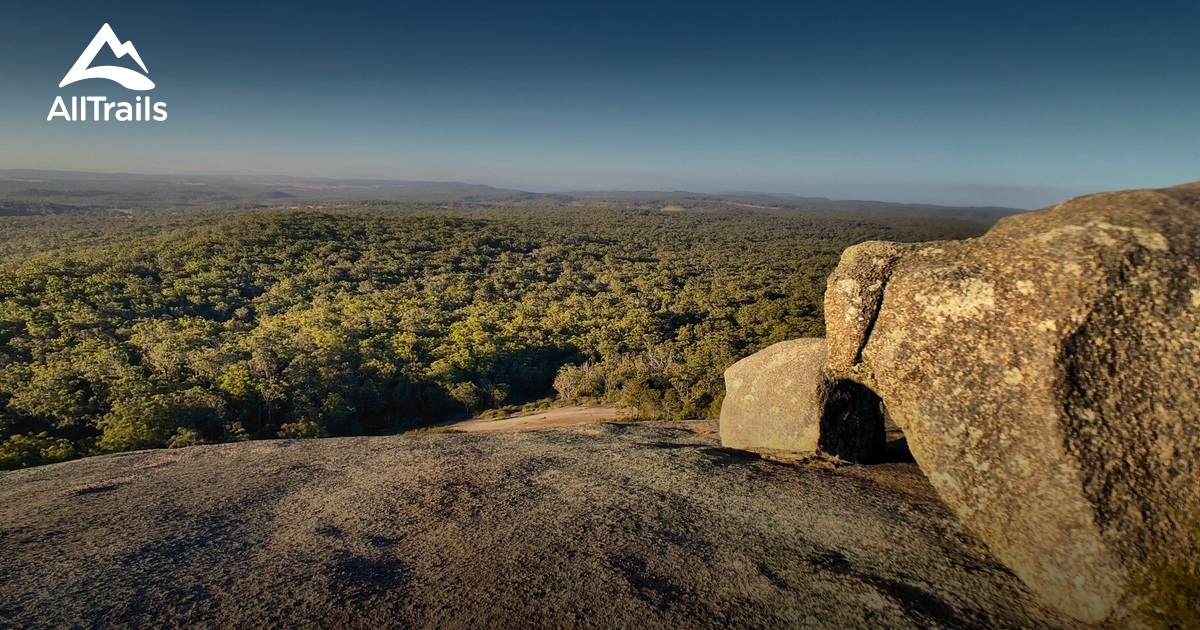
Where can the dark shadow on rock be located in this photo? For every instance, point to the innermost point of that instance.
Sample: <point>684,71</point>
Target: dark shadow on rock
<point>832,561</point>
<point>669,445</point>
<point>896,451</point>
<point>330,531</point>
<point>917,603</point>
<point>108,487</point>
<point>651,587</point>
<point>369,575</point>
<point>852,422</point>
<point>772,576</point>
<point>721,456</point>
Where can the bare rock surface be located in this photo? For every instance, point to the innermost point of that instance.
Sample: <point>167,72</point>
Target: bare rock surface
<point>601,525</point>
<point>771,398</point>
<point>1047,377</point>
<point>780,400</point>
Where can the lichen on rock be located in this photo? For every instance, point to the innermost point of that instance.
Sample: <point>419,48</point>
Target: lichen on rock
<point>1046,375</point>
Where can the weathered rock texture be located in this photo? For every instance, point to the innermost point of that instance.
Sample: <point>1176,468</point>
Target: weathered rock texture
<point>781,400</point>
<point>643,525</point>
<point>1046,376</point>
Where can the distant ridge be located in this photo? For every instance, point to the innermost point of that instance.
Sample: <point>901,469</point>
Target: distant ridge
<point>133,190</point>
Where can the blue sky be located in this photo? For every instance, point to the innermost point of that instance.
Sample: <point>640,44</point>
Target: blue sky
<point>1012,103</point>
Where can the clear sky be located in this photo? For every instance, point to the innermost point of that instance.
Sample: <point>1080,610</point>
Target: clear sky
<point>1014,103</point>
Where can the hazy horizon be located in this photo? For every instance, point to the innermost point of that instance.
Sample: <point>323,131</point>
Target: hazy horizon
<point>1019,105</point>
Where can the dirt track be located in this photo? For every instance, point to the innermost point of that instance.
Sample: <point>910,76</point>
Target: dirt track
<point>604,525</point>
<point>557,417</point>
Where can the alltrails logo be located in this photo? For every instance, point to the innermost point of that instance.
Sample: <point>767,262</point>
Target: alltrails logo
<point>99,107</point>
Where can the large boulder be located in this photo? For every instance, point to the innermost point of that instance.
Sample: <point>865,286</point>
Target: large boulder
<point>1047,377</point>
<point>780,401</point>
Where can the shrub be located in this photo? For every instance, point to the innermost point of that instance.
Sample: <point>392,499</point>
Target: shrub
<point>23,451</point>
<point>433,430</point>
<point>467,395</point>
<point>302,429</point>
<point>184,438</point>
<point>579,381</point>
<point>236,432</point>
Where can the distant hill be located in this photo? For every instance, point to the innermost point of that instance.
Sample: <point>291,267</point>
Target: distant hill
<point>984,214</point>
<point>65,192</point>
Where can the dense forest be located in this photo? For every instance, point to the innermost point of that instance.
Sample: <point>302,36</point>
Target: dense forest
<point>144,330</point>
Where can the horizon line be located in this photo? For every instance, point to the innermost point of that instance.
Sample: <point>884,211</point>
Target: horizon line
<point>258,178</point>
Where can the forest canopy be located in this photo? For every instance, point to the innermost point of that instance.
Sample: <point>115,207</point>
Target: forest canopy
<point>171,329</point>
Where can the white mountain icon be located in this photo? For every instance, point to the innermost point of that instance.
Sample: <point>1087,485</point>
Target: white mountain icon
<point>126,77</point>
